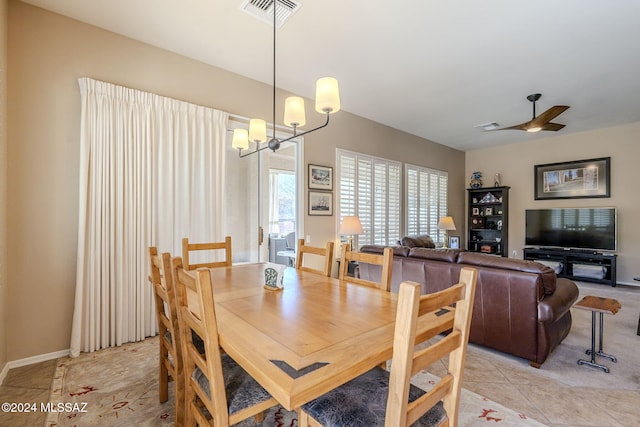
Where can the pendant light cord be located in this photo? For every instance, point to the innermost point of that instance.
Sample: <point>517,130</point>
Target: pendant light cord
<point>275,5</point>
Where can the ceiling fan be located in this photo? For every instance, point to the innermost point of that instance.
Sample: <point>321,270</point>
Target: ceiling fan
<point>543,121</point>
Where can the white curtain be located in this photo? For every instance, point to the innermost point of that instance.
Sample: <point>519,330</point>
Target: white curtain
<point>151,172</point>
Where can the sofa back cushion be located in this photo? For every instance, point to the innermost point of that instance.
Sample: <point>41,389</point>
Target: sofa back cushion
<point>379,249</point>
<point>547,275</point>
<point>422,241</point>
<point>446,255</point>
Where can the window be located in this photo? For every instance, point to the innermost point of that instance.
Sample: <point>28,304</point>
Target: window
<point>426,201</point>
<point>369,187</point>
<point>282,206</point>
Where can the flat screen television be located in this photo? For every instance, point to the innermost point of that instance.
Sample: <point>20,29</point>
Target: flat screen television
<point>572,228</point>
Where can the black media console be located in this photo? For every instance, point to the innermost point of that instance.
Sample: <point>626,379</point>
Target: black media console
<point>584,265</point>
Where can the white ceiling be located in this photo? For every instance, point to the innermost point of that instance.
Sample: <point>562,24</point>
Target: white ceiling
<point>433,68</point>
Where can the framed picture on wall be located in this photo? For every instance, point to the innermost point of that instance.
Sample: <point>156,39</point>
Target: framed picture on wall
<point>320,203</point>
<point>573,180</point>
<point>320,177</point>
<point>454,242</point>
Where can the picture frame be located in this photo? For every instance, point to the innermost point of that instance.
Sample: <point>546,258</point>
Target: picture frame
<point>578,179</point>
<point>488,211</point>
<point>320,203</point>
<point>454,242</point>
<point>475,211</point>
<point>320,177</point>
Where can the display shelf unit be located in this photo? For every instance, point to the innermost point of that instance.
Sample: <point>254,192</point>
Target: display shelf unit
<point>488,220</point>
<point>584,265</point>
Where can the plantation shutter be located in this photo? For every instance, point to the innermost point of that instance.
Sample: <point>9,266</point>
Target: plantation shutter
<point>369,187</point>
<point>426,200</point>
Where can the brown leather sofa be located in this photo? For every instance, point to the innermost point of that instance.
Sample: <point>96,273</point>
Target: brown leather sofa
<point>520,307</point>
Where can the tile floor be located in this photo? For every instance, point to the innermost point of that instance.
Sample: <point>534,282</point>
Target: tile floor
<point>503,379</point>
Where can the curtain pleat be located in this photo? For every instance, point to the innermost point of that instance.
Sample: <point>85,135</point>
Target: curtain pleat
<point>151,173</point>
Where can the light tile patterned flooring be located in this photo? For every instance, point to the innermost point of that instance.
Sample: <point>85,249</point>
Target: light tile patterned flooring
<point>503,379</point>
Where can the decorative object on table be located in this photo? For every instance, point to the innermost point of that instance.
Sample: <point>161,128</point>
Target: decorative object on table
<point>273,277</point>
<point>476,180</point>
<point>327,102</point>
<point>446,223</point>
<point>497,179</point>
<point>350,226</point>
<point>320,177</point>
<point>320,203</point>
<point>477,222</point>
<point>499,223</point>
<point>573,180</point>
<point>454,242</point>
<point>498,240</point>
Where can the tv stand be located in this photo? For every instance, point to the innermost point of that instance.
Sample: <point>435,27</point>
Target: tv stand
<point>578,264</point>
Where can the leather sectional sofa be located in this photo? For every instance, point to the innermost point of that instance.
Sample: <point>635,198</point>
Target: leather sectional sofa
<point>520,308</point>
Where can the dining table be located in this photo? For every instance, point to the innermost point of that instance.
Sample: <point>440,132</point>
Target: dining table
<point>311,336</point>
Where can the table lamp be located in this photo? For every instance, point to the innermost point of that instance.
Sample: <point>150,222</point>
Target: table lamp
<point>446,223</point>
<point>350,225</point>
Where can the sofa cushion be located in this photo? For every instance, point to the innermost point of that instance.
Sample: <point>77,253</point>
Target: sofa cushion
<point>547,275</point>
<point>378,249</point>
<point>423,241</point>
<point>446,255</point>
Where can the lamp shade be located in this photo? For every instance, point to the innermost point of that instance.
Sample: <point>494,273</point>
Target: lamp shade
<point>446,223</point>
<point>240,139</point>
<point>351,225</point>
<point>294,111</point>
<point>257,130</point>
<point>327,95</point>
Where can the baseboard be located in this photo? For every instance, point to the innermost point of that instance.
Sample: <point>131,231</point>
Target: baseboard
<point>30,361</point>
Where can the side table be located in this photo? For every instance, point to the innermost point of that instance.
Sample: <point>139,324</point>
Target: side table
<point>598,305</point>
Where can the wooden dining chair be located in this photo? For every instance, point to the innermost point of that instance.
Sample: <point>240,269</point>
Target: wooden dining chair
<point>379,393</point>
<point>326,252</point>
<point>170,359</point>
<point>385,260</point>
<point>214,246</point>
<point>218,391</point>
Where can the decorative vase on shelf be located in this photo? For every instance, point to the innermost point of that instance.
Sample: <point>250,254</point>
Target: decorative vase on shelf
<point>476,180</point>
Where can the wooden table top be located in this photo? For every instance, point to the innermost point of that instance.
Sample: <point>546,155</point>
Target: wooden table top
<point>312,336</point>
<point>599,304</point>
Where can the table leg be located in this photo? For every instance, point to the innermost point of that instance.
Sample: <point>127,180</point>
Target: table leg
<point>592,351</point>
<point>600,352</point>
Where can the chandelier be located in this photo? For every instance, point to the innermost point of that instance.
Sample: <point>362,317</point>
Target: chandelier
<point>327,102</point>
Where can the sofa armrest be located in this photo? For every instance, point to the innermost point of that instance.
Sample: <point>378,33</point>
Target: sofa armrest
<point>554,306</point>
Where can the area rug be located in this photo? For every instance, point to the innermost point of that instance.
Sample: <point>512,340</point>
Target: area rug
<point>119,387</point>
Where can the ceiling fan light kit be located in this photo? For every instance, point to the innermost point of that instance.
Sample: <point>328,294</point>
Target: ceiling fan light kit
<point>541,122</point>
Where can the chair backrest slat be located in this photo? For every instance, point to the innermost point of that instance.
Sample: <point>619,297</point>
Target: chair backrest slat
<point>385,261</point>
<point>326,252</point>
<point>212,246</point>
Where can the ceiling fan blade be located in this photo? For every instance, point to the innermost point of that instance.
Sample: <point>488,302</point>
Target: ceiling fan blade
<point>521,126</point>
<point>552,126</point>
<point>548,115</point>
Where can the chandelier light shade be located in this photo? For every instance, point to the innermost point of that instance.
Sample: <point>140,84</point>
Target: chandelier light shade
<point>240,139</point>
<point>294,112</point>
<point>446,223</point>
<point>350,225</point>
<point>327,95</point>
<point>327,102</point>
<point>257,131</point>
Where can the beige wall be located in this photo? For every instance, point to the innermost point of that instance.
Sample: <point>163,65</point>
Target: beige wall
<point>3,177</point>
<point>47,54</point>
<point>515,163</point>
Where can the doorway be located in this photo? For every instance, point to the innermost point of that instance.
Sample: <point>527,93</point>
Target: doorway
<point>263,202</point>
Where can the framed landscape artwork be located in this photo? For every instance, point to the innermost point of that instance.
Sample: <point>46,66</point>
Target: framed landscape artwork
<point>320,203</point>
<point>320,177</point>
<point>572,180</point>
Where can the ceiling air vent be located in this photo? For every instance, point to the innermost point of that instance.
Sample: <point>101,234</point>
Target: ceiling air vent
<point>263,9</point>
